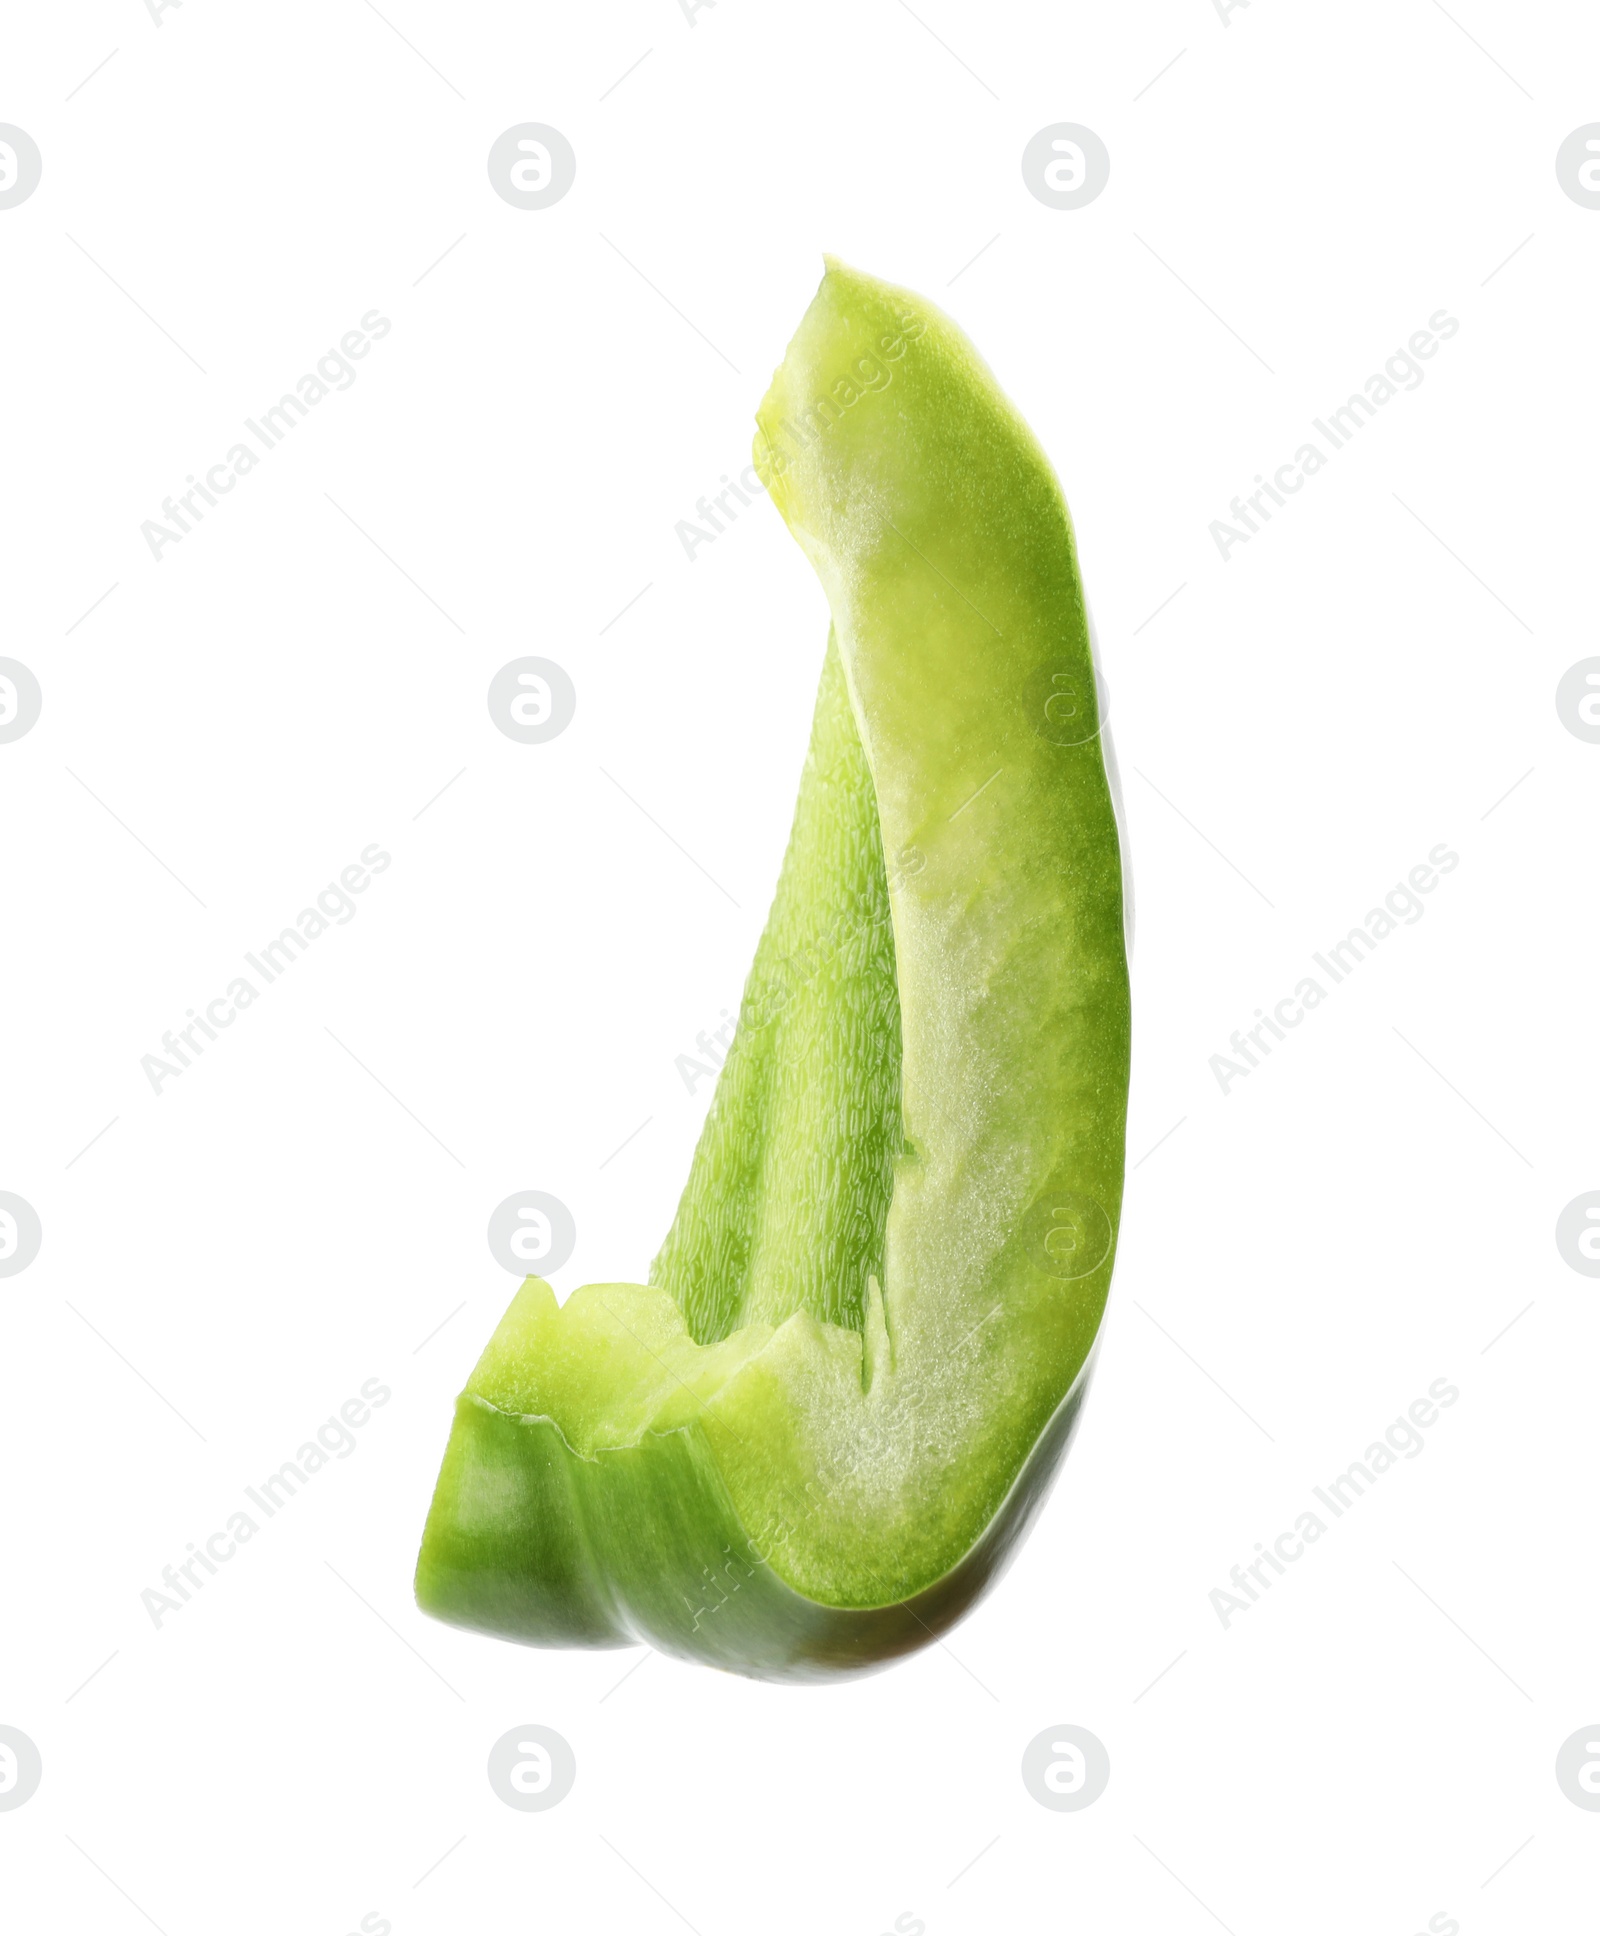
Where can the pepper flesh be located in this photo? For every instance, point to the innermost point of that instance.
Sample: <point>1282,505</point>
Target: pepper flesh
<point>813,1439</point>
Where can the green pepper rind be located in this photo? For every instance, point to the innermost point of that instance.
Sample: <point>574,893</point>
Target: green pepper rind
<point>795,1469</point>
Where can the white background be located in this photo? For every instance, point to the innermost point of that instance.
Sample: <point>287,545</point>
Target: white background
<point>1295,195</point>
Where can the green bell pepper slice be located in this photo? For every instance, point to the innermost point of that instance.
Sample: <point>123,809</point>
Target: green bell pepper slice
<point>814,1438</point>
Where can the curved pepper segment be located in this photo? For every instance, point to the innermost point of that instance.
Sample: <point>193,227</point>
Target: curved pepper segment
<point>812,1440</point>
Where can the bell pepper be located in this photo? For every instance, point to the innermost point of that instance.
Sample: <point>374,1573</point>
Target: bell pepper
<point>811,1441</point>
